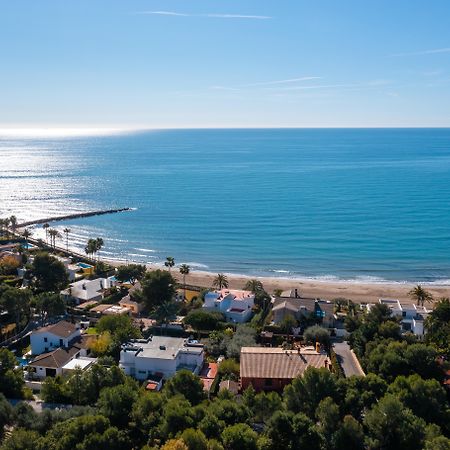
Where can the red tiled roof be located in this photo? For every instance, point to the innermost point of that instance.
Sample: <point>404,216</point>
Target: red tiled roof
<point>209,371</point>
<point>55,359</point>
<point>62,329</point>
<point>276,363</point>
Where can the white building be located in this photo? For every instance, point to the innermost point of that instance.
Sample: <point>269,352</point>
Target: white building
<point>236,305</point>
<point>62,360</point>
<point>412,316</point>
<point>51,337</point>
<point>87,290</point>
<point>161,356</point>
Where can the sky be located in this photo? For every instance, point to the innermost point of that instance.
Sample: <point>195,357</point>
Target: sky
<point>206,63</point>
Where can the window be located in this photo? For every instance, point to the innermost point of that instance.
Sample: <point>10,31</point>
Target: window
<point>61,343</point>
<point>45,339</point>
<point>404,313</point>
<point>268,382</point>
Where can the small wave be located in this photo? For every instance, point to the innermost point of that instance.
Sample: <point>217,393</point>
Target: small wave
<point>145,250</point>
<point>140,255</point>
<point>197,265</point>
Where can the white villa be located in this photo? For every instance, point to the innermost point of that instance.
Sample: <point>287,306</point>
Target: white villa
<point>51,337</point>
<point>60,348</point>
<point>87,290</point>
<point>412,316</point>
<point>236,305</point>
<point>60,361</point>
<point>161,356</point>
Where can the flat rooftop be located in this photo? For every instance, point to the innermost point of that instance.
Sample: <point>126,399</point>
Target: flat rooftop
<point>162,347</point>
<point>83,363</point>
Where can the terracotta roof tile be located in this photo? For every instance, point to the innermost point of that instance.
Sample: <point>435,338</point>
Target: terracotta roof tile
<point>62,329</point>
<point>260,362</point>
<point>55,359</point>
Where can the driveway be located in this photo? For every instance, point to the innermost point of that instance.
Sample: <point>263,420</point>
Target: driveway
<point>348,359</point>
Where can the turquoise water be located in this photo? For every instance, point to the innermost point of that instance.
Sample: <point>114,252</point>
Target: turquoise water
<point>323,203</point>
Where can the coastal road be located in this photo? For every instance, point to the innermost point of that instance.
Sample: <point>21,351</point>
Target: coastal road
<point>348,360</point>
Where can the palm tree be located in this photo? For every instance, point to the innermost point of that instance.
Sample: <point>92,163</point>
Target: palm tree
<point>170,262</point>
<point>26,234</point>
<point>91,247</point>
<point>420,295</point>
<point>4,225</point>
<point>54,234</point>
<point>13,223</point>
<point>184,270</point>
<point>66,232</point>
<point>45,227</point>
<point>221,281</point>
<point>254,286</point>
<point>98,245</point>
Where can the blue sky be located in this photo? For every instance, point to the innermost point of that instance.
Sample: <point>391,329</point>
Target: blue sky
<point>200,63</point>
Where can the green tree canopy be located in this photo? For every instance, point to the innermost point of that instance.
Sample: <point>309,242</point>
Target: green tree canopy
<point>158,287</point>
<point>245,336</point>
<point>49,274</point>
<point>11,379</point>
<point>116,403</point>
<point>202,320</point>
<point>131,273</point>
<point>426,398</point>
<point>316,333</point>
<point>184,382</point>
<point>239,436</point>
<point>49,305</point>
<point>121,328</point>
<point>305,393</point>
<point>392,426</point>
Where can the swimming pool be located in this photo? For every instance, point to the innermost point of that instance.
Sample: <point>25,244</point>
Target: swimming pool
<point>84,265</point>
<point>22,361</point>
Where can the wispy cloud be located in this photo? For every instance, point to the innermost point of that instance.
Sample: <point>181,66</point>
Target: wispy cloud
<point>361,85</point>
<point>424,52</point>
<point>289,80</point>
<point>316,86</point>
<point>212,15</point>
<point>240,87</point>
<point>163,13</point>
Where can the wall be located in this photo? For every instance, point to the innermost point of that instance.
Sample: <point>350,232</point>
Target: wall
<point>259,384</point>
<point>38,345</point>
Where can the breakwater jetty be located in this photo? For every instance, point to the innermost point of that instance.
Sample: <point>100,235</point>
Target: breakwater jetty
<point>72,216</point>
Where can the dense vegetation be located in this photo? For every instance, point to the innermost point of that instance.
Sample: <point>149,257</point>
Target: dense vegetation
<point>401,403</point>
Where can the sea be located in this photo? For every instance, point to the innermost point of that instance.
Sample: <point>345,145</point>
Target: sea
<point>360,205</point>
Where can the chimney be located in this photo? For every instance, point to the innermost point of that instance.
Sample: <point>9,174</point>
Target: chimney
<point>318,347</point>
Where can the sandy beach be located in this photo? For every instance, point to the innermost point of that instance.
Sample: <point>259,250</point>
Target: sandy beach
<point>328,290</point>
<point>358,292</point>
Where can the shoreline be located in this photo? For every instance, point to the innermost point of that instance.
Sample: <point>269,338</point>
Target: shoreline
<point>356,291</point>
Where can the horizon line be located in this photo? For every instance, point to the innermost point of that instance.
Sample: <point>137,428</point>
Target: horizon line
<point>55,131</point>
